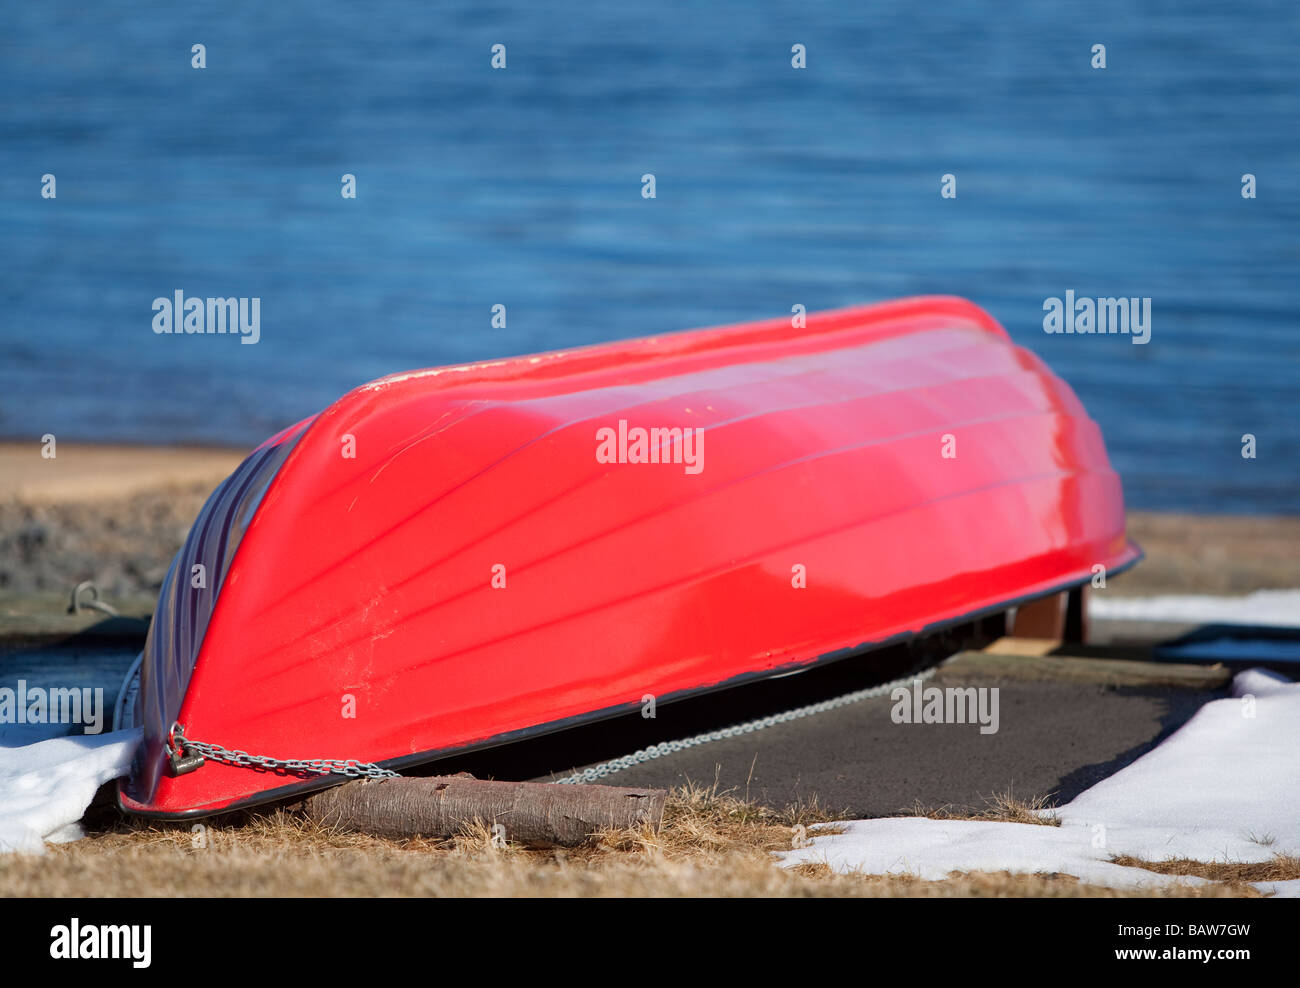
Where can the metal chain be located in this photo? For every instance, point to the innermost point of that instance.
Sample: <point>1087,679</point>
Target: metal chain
<point>749,727</point>
<point>350,767</point>
<point>354,769</point>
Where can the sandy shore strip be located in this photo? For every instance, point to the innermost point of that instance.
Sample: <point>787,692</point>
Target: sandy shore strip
<point>82,472</point>
<point>117,514</point>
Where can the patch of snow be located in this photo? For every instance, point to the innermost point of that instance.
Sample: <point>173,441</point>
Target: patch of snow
<point>1213,790</point>
<point>1280,890</point>
<point>1255,681</point>
<point>1279,608</point>
<point>46,787</point>
<point>1224,787</point>
<point>931,849</point>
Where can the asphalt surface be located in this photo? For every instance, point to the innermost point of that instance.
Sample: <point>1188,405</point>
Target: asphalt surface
<point>1053,739</point>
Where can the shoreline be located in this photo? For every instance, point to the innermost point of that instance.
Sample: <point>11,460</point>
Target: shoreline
<point>94,471</point>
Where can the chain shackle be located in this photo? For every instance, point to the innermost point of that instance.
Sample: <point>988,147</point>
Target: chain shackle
<point>186,755</point>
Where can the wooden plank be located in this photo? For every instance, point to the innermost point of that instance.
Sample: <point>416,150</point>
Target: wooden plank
<point>1015,645</point>
<point>1010,645</point>
<point>1042,618</point>
<point>1075,669</point>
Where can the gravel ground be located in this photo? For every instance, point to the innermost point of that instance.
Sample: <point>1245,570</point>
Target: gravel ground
<point>123,544</point>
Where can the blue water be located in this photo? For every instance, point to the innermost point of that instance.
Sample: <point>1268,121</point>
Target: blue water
<point>775,187</point>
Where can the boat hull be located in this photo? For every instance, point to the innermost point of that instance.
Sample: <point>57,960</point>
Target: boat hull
<point>458,557</point>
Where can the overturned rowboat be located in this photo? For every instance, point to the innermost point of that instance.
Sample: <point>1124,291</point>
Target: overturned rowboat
<point>459,557</point>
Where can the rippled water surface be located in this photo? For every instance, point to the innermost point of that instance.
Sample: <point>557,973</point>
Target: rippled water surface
<point>775,186</point>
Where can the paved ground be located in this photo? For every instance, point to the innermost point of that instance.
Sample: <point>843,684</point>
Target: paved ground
<point>1054,738</point>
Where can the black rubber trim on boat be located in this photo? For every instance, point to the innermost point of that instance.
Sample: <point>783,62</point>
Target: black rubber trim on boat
<point>581,720</point>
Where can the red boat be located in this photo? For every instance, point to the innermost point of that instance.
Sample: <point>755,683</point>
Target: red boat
<point>459,557</point>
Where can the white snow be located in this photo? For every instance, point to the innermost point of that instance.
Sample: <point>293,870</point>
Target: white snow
<point>46,787</point>
<point>1224,787</point>
<point>931,849</point>
<point>1280,890</point>
<point>1279,608</point>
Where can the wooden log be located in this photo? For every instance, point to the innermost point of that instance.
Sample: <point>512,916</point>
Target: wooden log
<point>530,813</point>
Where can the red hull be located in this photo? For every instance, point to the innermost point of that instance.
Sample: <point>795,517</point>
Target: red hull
<point>823,448</point>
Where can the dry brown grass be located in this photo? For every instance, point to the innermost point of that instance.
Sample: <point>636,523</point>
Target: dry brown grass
<point>711,844</point>
<point>1001,808</point>
<point>1280,868</point>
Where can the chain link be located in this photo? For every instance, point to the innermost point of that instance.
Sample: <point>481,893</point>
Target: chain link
<point>350,767</point>
<point>749,727</point>
<point>354,769</point>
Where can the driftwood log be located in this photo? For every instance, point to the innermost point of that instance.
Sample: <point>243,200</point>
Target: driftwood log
<point>530,813</point>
